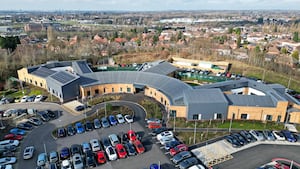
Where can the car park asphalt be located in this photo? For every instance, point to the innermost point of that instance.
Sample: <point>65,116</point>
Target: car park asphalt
<point>41,138</point>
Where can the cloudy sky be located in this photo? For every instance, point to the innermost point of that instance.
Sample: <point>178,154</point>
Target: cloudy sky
<point>149,5</point>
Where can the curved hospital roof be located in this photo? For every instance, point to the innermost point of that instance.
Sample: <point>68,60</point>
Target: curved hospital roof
<point>171,87</point>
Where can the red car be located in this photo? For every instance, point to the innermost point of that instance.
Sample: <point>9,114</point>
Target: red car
<point>139,146</point>
<point>121,151</point>
<point>131,135</point>
<point>154,125</point>
<point>101,159</point>
<point>13,137</point>
<point>178,148</point>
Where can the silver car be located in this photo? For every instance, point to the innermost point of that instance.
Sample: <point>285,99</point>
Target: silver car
<point>28,152</point>
<point>77,161</point>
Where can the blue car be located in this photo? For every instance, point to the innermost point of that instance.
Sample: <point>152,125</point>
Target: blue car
<point>112,120</point>
<point>288,136</point>
<point>17,131</point>
<point>79,128</point>
<point>64,153</point>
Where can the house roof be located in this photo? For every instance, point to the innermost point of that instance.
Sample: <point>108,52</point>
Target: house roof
<point>163,68</point>
<point>43,72</point>
<point>204,96</point>
<point>63,77</point>
<point>81,67</point>
<point>250,100</point>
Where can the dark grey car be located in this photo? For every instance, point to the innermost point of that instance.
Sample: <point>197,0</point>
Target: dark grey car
<point>104,122</point>
<point>181,156</point>
<point>188,162</point>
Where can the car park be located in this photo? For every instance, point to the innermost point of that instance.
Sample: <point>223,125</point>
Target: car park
<point>181,156</point>
<point>177,149</point>
<point>288,136</point>
<point>13,137</point>
<point>278,135</point>
<point>76,149</point>
<point>112,120</point>
<point>257,134</point>
<point>8,160</point>
<point>77,161</point>
<point>41,160</point>
<point>188,163</point>
<point>86,147</point>
<point>269,135</point>
<point>53,157</point>
<point>88,126</point>
<point>90,159</point>
<point>111,153</point>
<point>131,135</point>
<point>35,121</point>
<point>17,131</point>
<point>95,144</point>
<point>139,146</point>
<point>25,126</point>
<point>97,124</point>
<point>104,122</point>
<point>64,153</point>
<point>128,118</point>
<point>61,132</point>
<point>28,152</point>
<point>130,149</point>
<point>120,118</point>
<point>9,143</point>
<point>100,156</point>
<point>79,128</point>
<point>121,151</point>
<point>114,140</point>
<point>70,130</point>
<point>66,164</point>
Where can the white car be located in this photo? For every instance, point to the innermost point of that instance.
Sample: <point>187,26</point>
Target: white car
<point>9,112</point>
<point>65,164</point>
<point>128,118</point>
<point>111,153</point>
<point>165,134</point>
<point>198,166</point>
<point>165,140</point>
<point>278,135</point>
<point>8,160</point>
<point>120,118</point>
<point>95,145</point>
<point>9,143</point>
<point>258,135</point>
<point>38,98</point>
<point>23,99</point>
<point>28,152</point>
<point>8,166</point>
<point>77,161</point>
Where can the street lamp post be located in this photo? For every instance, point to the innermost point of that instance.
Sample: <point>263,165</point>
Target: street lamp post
<point>195,132</point>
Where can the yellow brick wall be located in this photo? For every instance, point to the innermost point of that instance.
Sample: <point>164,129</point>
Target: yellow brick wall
<point>31,79</point>
<point>106,88</point>
<point>295,117</point>
<point>180,110</point>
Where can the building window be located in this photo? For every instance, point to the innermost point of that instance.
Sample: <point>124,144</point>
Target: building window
<point>269,117</point>
<point>244,116</point>
<point>165,102</point>
<point>30,81</point>
<point>35,82</point>
<point>172,113</point>
<point>104,91</point>
<point>128,89</point>
<point>121,89</point>
<point>150,92</point>
<point>217,116</point>
<point>88,93</point>
<point>112,90</point>
<point>195,117</point>
<point>154,93</point>
<point>278,118</point>
<point>41,84</point>
<point>161,99</point>
<point>97,91</point>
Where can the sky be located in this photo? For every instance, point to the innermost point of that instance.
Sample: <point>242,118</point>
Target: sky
<point>149,5</point>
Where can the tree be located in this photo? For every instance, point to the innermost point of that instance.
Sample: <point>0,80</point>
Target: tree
<point>295,55</point>
<point>230,30</point>
<point>283,50</point>
<point>296,37</point>
<point>238,31</point>
<point>238,41</point>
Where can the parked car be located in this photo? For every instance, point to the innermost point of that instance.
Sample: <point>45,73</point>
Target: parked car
<point>76,149</point>
<point>42,158</point>
<point>257,134</point>
<point>8,148</point>
<point>100,156</point>
<point>64,153</point>
<point>139,146</point>
<point>13,137</point>
<point>105,142</point>
<point>8,160</point>
<point>8,166</point>
<point>70,130</point>
<point>79,128</point>
<point>130,149</point>
<point>88,126</point>
<point>233,141</point>
<point>247,136</point>
<point>165,140</point>
<point>43,115</point>
<point>104,122</point>
<point>95,144</point>
<point>114,140</point>
<point>9,112</point>
<point>53,157</point>
<point>188,163</point>
<point>77,161</point>
<point>121,151</point>
<point>278,135</point>
<point>177,149</point>
<point>28,152</point>
<point>53,166</point>
<point>165,134</point>
<point>128,118</point>
<point>66,164</point>
<point>181,156</point>
<point>90,159</point>
<point>124,138</point>
<point>86,147</point>
<point>197,166</point>
<point>17,131</point>
<point>269,135</point>
<point>131,135</point>
<point>158,131</point>
<point>97,124</point>
<point>153,120</point>
<point>30,98</point>
<point>40,98</point>
<point>23,99</point>
<point>61,132</point>
<point>171,144</point>
<point>112,120</point>
<point>120,118</point>
<point>79,108</point>
<point>9,143</point>
<point>241,139</point>
<point>288,136</point>
<point>35,121</point>
<point>25,126</point>
<point>51,114</point>
<point>111,153</point>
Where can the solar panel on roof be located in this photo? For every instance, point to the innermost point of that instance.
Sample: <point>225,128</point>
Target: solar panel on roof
<point>63,77</point>
<point>84,67</point>
<point>43,72</point>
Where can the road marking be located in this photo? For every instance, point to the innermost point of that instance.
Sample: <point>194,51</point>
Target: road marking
<point>167,153</point>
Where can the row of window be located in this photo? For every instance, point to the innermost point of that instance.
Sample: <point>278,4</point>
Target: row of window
<point>96,91</point>
<point>35,82</point>
<point>243,116</point>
